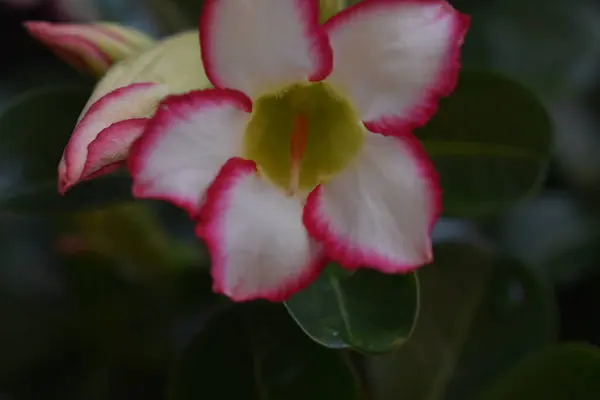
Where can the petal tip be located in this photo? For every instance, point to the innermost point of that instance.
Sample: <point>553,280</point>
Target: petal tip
<point>232,270</point>
<point>91,48</point>
<point>36,27</point>
<point>438,80</point>
<point>63,177</point>
<point>370,245</point>
<point>63,187</point>
<point>282,293</point>
<point>299,21</point>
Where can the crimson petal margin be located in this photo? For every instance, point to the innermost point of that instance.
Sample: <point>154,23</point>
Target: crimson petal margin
<point>138,100</point>
<point>262,46</point>
<point>254,232</point>
<point>89,47</point>
<point>186,143</point>
<point>111,147</point>
<point>82,53</point>
<point>394,59</point>
<point>379,212</point>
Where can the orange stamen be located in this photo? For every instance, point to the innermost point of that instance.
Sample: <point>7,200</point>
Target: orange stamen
<point>297,148</point>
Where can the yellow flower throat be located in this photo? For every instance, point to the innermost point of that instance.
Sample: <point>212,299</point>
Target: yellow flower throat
<point>303,135</point>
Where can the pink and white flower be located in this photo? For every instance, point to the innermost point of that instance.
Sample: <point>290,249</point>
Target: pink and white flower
<point>302,151</point>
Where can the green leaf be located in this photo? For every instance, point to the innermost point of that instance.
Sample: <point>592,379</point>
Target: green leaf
<point>560,372</point>
<point>490,142</point>
<point>479,314</point>
<point>34,130</point>
<point>367,311</point>
<point>256,352</point>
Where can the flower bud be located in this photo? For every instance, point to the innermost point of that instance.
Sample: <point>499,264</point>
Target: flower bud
<point>122,102</point>
<point>91,48</point>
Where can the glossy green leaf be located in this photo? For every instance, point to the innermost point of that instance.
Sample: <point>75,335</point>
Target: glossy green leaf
<point>257,353</point>
<point>479,314</point>
<point>367,311</point>
<point>34,130</point>
<point>490,142</point>
<point>562,372</point>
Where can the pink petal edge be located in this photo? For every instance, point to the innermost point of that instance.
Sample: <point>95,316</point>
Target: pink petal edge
<point>314,31</point>
<point>107,169</point>
<point>128,131</point>
<point>64,45</point>
<point>351,257</point>
<point>76,145</point>
<point>211,231</point>
<point>322,48</point>
<point>443,85</point>
<point>156,128</point>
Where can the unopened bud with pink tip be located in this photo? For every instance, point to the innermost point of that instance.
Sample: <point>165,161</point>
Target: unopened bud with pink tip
<point>91,48</point>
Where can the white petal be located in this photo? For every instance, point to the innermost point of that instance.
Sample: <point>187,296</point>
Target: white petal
<point>185,144</point>
<point>379,212</point>
<point>254,232</point>
<point>262,45</point>
<point>394,59</point>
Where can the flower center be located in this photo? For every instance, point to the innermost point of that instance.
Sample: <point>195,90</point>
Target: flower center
<point>303,135</point>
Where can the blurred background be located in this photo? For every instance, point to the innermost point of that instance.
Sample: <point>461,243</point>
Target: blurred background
<point>97,302</point>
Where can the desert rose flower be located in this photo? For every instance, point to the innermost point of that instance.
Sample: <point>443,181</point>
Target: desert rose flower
<point>302,151</point>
